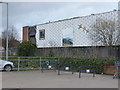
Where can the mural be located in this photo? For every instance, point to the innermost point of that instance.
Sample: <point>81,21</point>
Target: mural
<point>83,28</point>
<point>67,39</point>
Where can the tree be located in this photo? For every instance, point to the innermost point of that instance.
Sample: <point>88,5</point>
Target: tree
<point>26,48</point>
<point>12,37</point>
<point>106,33</point>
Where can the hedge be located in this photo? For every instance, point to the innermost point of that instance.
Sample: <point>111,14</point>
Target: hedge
<point>95,64</point>
<point>86,63</point>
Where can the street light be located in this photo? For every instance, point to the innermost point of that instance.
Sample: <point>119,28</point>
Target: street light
<point>6,32</point>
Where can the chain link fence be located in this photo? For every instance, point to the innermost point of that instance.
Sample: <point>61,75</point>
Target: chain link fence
<point>33,63</point>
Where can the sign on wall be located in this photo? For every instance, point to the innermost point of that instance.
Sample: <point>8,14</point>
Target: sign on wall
<point>67,39</point>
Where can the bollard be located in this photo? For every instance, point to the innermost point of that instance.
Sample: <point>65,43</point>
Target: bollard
<point>72,71</point>
<point>41,65</point>
<point>41,68</point>
<point>58,67</point>
<point>93,73</point>
<point>80,73</point>
<point>72,68</point>
<point>55,65</point>
<point>58,72</point>
<point>80,70</point>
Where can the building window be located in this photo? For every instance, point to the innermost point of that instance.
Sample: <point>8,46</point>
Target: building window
<point>42,34</point>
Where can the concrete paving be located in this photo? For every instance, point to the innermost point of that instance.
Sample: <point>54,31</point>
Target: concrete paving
<point>50,79</point>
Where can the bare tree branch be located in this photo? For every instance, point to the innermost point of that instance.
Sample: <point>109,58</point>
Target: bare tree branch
<point>105,32</point>
<point>12,37</point>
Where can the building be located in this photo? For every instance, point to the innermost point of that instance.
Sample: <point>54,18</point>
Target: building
<point>29,33</point>
<point>25,33</point>
<point>12,43</point>
<point>68,32</point>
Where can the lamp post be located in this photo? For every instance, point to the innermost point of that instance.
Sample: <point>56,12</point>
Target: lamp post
<point>6,32</point>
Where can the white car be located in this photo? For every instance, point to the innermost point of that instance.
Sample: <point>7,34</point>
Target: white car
<point>6,65</point>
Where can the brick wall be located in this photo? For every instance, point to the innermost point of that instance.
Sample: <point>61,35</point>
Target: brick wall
<point>25,33</point>
<point>109,69</point>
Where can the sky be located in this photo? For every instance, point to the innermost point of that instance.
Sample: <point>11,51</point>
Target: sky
<point>32,13</point>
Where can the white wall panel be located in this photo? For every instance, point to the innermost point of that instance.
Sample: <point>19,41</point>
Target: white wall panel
<point>54,30</point>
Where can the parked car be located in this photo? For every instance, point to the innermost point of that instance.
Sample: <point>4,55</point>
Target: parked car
<point>6,65</point>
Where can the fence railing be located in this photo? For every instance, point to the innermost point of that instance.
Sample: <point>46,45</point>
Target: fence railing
<point>27,63</point>
<point>95,65</point>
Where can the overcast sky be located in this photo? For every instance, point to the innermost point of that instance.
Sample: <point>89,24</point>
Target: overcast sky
<point>25,14</point>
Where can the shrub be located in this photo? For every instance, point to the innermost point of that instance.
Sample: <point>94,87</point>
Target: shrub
<point>26,48</point>
<point>85,63</point>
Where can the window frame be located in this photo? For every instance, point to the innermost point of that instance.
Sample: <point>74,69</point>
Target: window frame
<point>41,37</point>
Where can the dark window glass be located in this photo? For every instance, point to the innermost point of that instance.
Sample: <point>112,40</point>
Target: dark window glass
<point>42,34</point>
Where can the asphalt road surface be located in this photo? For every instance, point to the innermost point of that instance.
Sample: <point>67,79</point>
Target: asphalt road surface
<point>50,79</point>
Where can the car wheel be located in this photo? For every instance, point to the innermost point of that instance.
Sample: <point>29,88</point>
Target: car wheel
<point>8,68</point>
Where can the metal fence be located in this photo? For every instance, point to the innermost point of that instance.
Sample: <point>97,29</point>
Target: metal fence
<point>33,63</point>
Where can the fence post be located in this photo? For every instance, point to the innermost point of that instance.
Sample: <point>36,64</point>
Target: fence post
<point>58,63</point>
<point>80,73</point>
<point>94,73</point>
<point>55,62</point>
<point>18,63</point>
<point>40,64</point>
<point>72,68</point>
